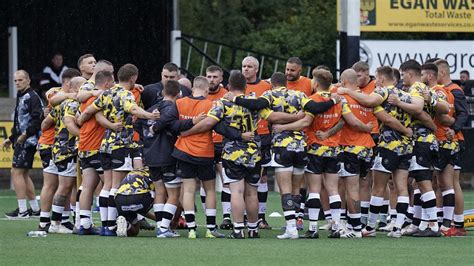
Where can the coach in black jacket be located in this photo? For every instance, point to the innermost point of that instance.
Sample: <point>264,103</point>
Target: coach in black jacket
<point>152,93</point>
<point>24,137</point>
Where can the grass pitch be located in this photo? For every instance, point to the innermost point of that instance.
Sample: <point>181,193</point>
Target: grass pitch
<point>16,248</point>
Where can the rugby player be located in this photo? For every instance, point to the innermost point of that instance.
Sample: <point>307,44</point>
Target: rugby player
<point>256,87</point>
<point>393,149</point>
<point>45,145</point>
<point>449,166</point>
<point>64,152</point>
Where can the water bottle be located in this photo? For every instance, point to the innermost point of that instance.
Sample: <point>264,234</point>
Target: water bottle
<point>37,234</point>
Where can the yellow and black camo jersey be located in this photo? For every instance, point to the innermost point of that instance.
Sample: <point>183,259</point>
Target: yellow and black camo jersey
<point>389,138</point>
<point>117,104</point>
<point>136,182</point>
<point>65,144</point>
<point>288,101</point>
<point>420,132</point>
<point>238,117</point>
<point>88,86</point>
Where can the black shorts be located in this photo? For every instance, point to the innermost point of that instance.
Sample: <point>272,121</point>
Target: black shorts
<point>93,161</point>
<point>422,162</point>
<point>67,167</point>
<point>445,157</point>
<point>218,152</point>
<point>281,157</point>
<point>47,161</point>
<point>165,173</point>
<point>351,165</point>
<point>23,157</point>
<point>129,206</point>
<point>46,156</point>
<point>203,172</point>
<point>122,160</point>
<point>375,138</point>
<point>388,161</point>
<point>265,149</point>
<point>105,161</point>
<point>318,165</point>
<point>233,173</point>
<point>137,152</point>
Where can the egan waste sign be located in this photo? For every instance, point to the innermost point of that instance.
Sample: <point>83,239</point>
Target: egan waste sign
<point>416,15</point>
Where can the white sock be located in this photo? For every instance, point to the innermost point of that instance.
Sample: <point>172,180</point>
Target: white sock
<point>103,210</point>
<point>262,187</point>
<point>313,213</point>
<point>401,216</point>
<point>22,205</point>
<point>34,205</point>
<point>158,207</point>
<point>112,211</point>
<point>335,213</point>
<point>376,202</point>
<point>167,209</point>
<point>44,215</point>
<point>202,193</point>
<point>210,213</point>
<point>86,218</point>
<point>193,223</point>
<point>291,224</point>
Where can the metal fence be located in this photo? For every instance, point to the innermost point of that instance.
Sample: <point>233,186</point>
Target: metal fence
<point>199,53</point>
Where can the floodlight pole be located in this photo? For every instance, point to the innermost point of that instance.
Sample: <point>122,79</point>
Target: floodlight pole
<point>12,60</point>
<point>175,35</point>
<point>349,35</point>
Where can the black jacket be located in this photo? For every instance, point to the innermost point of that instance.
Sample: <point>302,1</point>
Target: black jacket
<point>151,94</point>
<point>461,109</point>
<point>159,144</point>
<point>28,115</point>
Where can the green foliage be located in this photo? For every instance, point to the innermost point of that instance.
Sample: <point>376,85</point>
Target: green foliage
<point>305,28</point>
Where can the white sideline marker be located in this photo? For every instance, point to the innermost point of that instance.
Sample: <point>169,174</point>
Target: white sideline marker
<point>275,214</point>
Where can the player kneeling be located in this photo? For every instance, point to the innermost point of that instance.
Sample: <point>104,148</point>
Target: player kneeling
<point>135,196</point>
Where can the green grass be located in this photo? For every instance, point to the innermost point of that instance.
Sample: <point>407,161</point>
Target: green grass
<point>16,248</point>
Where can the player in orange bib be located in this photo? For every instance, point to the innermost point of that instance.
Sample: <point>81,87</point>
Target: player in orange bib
<point>366,84</point>
<point>90,138</point>
<point>294,79</point>
<point>449,176</point>
<point>195,158</point>
<point>356,153</point>
<point>394,148</point>
<point>256,87</point>
<point>214,75</point>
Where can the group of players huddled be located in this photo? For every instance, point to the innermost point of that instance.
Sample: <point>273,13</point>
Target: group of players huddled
<point>359,151</point>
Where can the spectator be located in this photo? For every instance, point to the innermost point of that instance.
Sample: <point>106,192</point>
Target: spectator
<point>466,83</point>
<point>52,73</point>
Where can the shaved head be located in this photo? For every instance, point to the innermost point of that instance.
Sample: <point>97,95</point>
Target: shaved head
<point>349,76</point>
<point>23,73</point>
<point>103,65</point>
<point>200,82</point>
<point>22,80</point>
<point>76,83</point>
<point>185,82</point>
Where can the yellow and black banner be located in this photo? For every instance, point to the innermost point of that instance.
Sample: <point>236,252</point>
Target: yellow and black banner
<point>416,15</point>
<point>6,156</point>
